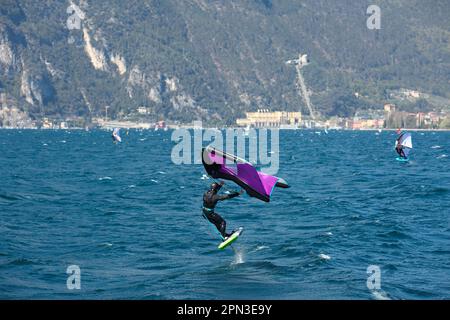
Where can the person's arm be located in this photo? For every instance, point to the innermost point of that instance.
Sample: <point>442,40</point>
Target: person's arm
<point>229,196</point>
<point>220,185</point>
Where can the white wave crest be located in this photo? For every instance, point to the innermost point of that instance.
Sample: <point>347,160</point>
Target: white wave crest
<point>324,256</point>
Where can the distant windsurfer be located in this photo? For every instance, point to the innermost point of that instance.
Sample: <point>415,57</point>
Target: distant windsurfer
<point>399,146</point>
<point>210,199</point>
<point>399,149</point>
<point>115,135</point>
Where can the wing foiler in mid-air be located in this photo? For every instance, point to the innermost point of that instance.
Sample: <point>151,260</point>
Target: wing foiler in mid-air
<point>403,145</point>
<point>116,136</point>
<point>255,183</point>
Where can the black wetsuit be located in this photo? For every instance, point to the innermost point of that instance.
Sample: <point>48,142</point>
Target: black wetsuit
<point>400,151</point>
<point>210,199</point>
<point>399,147</point>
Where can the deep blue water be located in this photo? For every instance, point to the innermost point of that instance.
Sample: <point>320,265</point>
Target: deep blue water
<point>130,219</point>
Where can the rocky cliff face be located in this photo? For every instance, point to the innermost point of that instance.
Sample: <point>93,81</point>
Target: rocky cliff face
<point>212,60</point>
<point>7,57</point>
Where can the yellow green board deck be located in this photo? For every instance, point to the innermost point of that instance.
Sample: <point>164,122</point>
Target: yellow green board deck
<point>231,239</point>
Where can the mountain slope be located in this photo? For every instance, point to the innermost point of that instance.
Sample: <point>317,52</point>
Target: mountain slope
<point>212,60</point>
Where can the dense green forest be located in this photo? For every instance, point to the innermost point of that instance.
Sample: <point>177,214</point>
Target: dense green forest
<point>213,60</point>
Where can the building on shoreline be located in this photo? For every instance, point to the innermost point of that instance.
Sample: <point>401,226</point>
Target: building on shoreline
<point>418,120</point>
<point>368,119</point>
<point>264,118</point>
<point>121,124</point>
<point>388,117</point>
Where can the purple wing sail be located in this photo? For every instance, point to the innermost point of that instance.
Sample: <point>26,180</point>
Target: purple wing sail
<point>256,184</point>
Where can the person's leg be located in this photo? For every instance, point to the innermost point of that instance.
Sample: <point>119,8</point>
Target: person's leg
<point>219,222</point>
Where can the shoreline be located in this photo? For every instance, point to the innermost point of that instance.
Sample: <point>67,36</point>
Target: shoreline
<point>224,128</point>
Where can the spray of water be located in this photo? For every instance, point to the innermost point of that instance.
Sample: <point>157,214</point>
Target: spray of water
<point>238,256</point>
